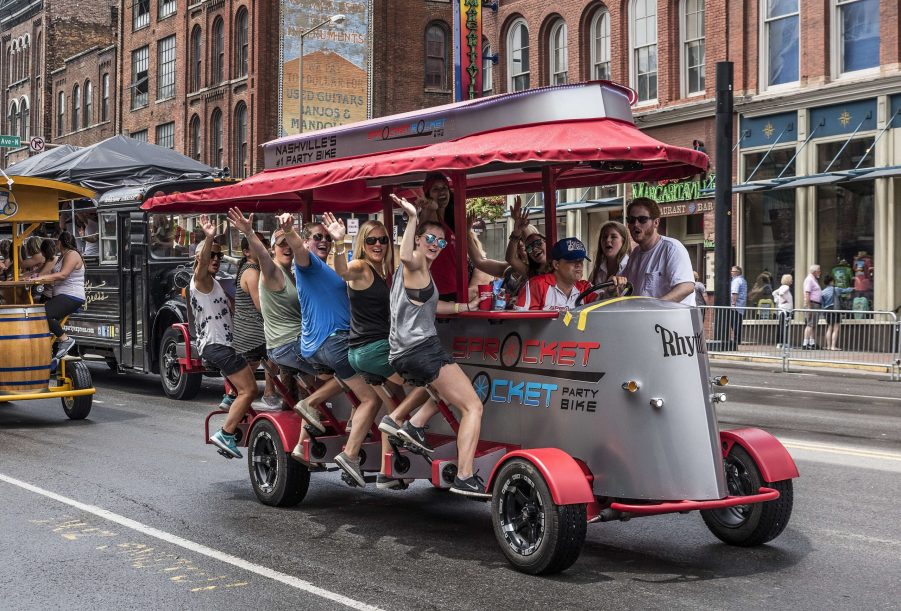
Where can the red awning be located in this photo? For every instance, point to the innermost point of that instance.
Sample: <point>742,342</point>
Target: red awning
<point>593,152</point>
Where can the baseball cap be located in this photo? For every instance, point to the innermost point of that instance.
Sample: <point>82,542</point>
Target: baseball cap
<point>571,249</point>
<point>529,232</point>
<point>277,236</point>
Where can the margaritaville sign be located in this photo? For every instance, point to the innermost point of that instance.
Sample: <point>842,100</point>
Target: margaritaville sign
<point>676,191</point>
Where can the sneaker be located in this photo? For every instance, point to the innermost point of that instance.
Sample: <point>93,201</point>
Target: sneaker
<point>351,467</point>
<point>383,482</point>
<point>310,414</point>
<point>54,363</point>
<point>63,347</point>
<point>227,444</point>
<point>415,436</point>
<point>226,402</point>
<point>472,486</point>
<point>388,426</point>
<point>274,402</point>
<point>262,406</point>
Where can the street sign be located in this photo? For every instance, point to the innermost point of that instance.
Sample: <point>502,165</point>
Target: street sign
<point>36,144</point>
<point>10,142</point>
<point>353,226</point>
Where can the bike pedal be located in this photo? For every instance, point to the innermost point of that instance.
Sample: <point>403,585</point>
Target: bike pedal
<point>347,479</point>
<point>225,454</point>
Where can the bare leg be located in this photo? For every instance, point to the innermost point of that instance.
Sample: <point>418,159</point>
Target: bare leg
<point>456,389</point>
<point>246,386</point>
<point>324,392</point>
<point>363,415</point>
<point>416,398</point>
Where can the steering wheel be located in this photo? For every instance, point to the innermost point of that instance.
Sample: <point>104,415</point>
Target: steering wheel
<point>625,291</point>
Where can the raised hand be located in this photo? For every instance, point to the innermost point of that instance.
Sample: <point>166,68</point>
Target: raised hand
<point>208,228</point>
<point>286,221</point>
<point>471,219</point>
<point>520,216</point>
<point>335,227</point>
<point>244,225</point>
<point>406,206</point>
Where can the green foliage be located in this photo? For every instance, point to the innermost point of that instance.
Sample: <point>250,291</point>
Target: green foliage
<point>486,208</point>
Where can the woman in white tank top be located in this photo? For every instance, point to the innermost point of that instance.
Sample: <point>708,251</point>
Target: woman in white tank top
<point>67,278</point>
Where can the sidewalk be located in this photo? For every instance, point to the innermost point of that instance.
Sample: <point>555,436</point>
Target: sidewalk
<point>817,361</point>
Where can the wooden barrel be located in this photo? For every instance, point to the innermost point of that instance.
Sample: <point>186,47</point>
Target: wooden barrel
<point>25,342</point>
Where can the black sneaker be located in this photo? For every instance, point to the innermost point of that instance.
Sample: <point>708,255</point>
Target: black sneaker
<point>62,349</point>
<point>414,436</point>
<point>389,426</point>
<point>352,468</point>
<point>383,482</point>
<point>472,487</point>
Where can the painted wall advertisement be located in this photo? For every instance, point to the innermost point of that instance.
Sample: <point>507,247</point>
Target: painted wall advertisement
<point>335,64</point>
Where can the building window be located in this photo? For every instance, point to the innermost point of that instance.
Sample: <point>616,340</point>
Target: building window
<point>643,24</point>
<point>108,238</point>
<point>693,50</point>
<point>216,139</point>
<point>88,104</point>
<point>165,135</point>
<point>518,56</point>
<point>26,56</point>
<point>600,45</point>
<point>76,107</point>
<point>61,114</point>
<point>558,53</point>
<point>487,68</point>
<point>196,59</point>
<point>139,78</point>
<point>140,136</point>
<point>165,68</point>
<point>104,98</point>
<point>436,57</point>
<point>781,51</point>
<point>14,117</point>
<point>242,47</point>
<point>218,51</point>
<point>194,145</point>
<point>240,169</point>
<point>856,26</point>
<point>140,14</point>
<point>166,8</point>
<point>25,114</point>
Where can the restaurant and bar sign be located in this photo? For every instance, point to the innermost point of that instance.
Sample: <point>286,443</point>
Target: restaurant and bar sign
<point>686,208</point>
<point>676,191</point>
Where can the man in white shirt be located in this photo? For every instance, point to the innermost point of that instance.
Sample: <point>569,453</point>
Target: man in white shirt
<point>658,266</point>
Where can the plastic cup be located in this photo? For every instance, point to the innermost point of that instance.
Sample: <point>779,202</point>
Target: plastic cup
<point>486,297</point>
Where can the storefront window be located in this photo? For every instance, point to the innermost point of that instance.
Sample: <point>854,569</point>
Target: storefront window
<point>108,238</point>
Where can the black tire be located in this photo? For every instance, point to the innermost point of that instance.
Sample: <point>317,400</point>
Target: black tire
<point>537,536</point>
<point>749,525</point>
<point>78,408</point>
<point>277,479</point>
<point>176,384</point>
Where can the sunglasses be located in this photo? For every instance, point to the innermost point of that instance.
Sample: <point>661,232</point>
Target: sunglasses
<point>283,243</point>
<point>532,246</point>
<point>431,238</point>
<point>318,237</point>
<point>372,241</point>
<point>216,255</point>
<point>638,219</point>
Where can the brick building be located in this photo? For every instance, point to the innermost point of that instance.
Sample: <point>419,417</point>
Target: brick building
<point>199,77</point>
<point>36,38</point>
<point>84,93</point>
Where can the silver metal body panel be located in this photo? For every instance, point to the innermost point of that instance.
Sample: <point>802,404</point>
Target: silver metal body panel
<point>593,100</point>
<point>546,383</point>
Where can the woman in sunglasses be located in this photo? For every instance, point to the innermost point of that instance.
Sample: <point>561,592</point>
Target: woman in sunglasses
<point>417,353</point>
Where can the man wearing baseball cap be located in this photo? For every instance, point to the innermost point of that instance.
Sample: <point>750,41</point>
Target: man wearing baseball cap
<point>557,290</point>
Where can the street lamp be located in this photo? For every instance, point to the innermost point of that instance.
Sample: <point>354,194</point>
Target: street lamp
<point>334,19</point>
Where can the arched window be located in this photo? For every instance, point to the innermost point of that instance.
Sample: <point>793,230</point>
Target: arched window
<point>216,139</point>
<point>242,46</point>
<point>61,114</point>
<point>39,55</point>
<point>518,56</point>
<point>436,57</point>
<point>25,114</point>
<point>240,141</point>
<point>14,63</point>
<point>600,44</point>
<point>26,56</point>
<point>9,65</point>
<point>218,51</point>
<point>194,135</point>
<point>487,68</point>
<point>559,58</point>
<point>88,103</point>
<point>196,59</point>
<point>14,117</point>
<point>104,98</point>
<point>693,60</point>
<point>643,36</point>
<point>76,107</point>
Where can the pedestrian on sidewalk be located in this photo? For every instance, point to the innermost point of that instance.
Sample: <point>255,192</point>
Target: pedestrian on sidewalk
<point>813,298</point>
<point>831,300</point>
<point>785,303</point>
<point>738,295</point>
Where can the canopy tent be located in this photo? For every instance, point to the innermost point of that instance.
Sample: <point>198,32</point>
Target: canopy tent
<point>34,165</point>
<point>504,161</point>
<point>115,162</point>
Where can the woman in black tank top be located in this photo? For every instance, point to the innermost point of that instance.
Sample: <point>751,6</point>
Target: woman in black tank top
<point>367,289</point>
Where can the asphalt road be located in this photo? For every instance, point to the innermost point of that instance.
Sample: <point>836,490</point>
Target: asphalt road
<point>131,510</point>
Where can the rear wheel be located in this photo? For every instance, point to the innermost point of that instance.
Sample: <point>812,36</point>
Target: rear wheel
<point>78,408</point>
<point>749,525</point>
<point>277,480</point>
<point>537,536</point>
<point>177,384</point>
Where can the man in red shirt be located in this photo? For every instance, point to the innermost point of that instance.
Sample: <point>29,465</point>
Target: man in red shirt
<point>558,289</point>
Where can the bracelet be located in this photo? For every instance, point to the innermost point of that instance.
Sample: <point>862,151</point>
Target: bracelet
<point>513,236</point>
<point>468,309</point>
<point>456,308</point>
<point>340,252</point>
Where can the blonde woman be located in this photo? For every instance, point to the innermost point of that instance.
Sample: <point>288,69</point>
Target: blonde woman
<point>785,303</point>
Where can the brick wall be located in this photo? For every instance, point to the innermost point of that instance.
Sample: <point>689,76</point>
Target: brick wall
<point>87,67</point>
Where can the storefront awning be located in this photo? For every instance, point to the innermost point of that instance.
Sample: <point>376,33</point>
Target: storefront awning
<point>592,204</point>
<point>751,187</point>
<point>815,180</point>
<point>873,174</point>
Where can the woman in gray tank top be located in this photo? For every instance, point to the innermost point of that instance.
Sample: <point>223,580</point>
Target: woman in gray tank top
<point>417,353</point>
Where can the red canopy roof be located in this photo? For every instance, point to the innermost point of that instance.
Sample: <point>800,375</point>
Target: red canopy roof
<point>499,162</point>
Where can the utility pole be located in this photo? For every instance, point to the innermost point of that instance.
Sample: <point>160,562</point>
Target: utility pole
<point>722,250</point>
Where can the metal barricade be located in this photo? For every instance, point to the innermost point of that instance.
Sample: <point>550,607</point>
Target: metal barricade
<point>862,340</point>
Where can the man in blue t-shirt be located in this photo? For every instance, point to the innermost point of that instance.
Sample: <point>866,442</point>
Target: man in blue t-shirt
<point>738,297</point>
<point>325,326</point>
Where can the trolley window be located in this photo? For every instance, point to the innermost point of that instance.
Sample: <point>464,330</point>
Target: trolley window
<point>108,252</point>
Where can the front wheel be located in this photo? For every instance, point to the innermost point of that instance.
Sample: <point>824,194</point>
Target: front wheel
<point>277,479</point>
<point>537,536</point>
<point>78,408</point>
<point>177,384</point>
<point>749,525</point>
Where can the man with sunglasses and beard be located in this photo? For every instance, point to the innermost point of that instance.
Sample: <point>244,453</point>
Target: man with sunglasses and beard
<point>658,266</point>
<point>213,322</point>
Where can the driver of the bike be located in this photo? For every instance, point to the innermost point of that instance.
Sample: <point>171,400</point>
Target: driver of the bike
<point>558,289</point>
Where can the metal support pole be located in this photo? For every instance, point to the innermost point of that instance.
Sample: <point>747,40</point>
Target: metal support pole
<point>722,252</point>
<point>388,216</point>
<point>549,189</point>
<point>306,209</point>
<point>461,233</point>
